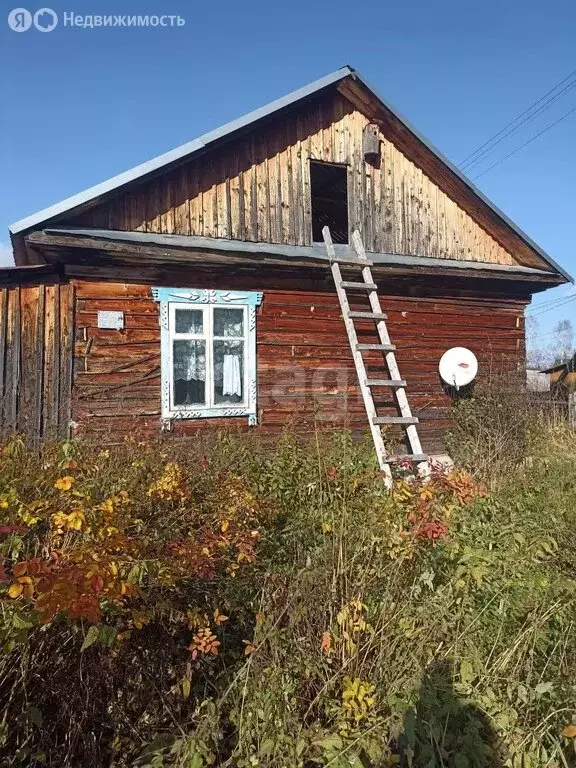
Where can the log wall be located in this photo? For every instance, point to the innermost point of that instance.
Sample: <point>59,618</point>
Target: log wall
<point>257,188</point>
<point>36,354</point>
<point>306,375</point>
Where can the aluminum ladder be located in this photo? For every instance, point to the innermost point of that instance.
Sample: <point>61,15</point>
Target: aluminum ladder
<point>367,384</point>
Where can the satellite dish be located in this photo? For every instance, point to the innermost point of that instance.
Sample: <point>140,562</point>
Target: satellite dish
<point>458,367</point>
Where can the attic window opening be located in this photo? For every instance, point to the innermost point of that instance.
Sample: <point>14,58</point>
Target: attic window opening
<point>329,193</point>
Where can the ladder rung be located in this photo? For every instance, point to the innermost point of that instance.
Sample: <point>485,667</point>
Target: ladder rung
<point>395,420</point>
<point>359,286</point>
<point>368,315</point>
<point>385,383</point>
<point>406,457</point>
<point>381,347</point>
<point>350,260</point>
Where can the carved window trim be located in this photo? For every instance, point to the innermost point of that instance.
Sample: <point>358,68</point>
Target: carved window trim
<point>249,300</point>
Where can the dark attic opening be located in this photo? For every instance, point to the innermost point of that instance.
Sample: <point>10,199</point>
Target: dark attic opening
<point>329,191</point>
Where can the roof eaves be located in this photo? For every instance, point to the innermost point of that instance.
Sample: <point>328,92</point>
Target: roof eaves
<point>313,252</point>
<point>179,153</point>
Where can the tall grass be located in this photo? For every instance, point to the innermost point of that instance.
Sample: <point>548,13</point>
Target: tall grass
<point>434,626</point>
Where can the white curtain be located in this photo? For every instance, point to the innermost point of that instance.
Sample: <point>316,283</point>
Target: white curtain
<point>232,380</point>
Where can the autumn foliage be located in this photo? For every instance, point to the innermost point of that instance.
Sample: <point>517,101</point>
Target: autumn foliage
<point>172,604</point>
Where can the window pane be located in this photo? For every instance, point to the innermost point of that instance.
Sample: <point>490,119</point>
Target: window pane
<point>189,369</point>
<point>228,372</point>
<point>228,322</point>
<point>188,320</point>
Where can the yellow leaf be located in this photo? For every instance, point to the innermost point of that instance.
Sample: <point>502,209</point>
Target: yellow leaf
<point>569,731</point>
<point>140,618</point>
<point>224,525</point>
<point>64,483</point>
<point>185,688</point>
<point>15,590</point>
<point>219,618</point>
<point>326,528</point>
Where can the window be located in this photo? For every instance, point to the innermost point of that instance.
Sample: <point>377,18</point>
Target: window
<point>208,351</point>
<point>329,192</point>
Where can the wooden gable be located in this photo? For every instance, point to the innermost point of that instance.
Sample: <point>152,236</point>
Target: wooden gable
<point>256,187</point>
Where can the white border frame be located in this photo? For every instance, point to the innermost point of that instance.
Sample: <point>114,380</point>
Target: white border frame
<point>186,297</point>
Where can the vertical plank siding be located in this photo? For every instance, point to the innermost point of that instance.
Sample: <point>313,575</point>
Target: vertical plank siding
<point>258,189</point>
<point>36,326</point>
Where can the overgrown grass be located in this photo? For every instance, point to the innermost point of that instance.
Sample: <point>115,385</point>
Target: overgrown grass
<point>274,606</point>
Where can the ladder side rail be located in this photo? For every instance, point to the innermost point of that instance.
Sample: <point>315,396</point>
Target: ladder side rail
<point>400,393</point>
<point>361,372</point>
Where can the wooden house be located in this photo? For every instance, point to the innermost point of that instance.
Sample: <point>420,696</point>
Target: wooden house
<point>193,291</point>
<point>562,378</point>
<point>563,375</point>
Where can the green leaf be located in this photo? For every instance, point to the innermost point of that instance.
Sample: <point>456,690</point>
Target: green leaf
<point>196,761</point>
<point>266,748</point>
<point>330,742</point>
<point>34,715</point>
<point>19,621</point>
<point>466,671</point>
<point>543,688</point>
<point>91,637</point>
<point>107,635</point>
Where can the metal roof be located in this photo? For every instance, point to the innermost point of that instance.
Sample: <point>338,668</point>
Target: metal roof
<point>569,365</point>
<point>179,153</point>
<point>204,141</point>
<point>289,252</point>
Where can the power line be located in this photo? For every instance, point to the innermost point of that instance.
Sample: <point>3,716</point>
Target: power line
<point>467,167</point>
<point>496,135</point>
<point>541,305</point>
<point>537,336</point>
<point>556,306</point>
<point>550,309</point>
<point>533,138</point>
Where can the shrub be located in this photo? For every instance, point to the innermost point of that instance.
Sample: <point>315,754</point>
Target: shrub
<point>242,605</point>
<point>500,425</point>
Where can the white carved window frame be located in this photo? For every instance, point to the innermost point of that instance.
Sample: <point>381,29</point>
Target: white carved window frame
<point>171,299</point>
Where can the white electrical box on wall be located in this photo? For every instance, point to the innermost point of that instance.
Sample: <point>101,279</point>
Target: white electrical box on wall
<point>111,320</point>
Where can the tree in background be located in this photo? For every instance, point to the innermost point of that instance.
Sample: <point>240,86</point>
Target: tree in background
<point>563,340</point>
<point>558,347</point>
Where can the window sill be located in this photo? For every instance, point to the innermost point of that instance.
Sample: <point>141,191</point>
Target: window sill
<point>207,413</point>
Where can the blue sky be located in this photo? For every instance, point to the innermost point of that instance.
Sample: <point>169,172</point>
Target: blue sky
<point>80,105</point>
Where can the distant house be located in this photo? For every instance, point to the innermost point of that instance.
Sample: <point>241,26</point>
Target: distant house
<point>563,375</point>
<point>537,381</point>
<point>194,291</point>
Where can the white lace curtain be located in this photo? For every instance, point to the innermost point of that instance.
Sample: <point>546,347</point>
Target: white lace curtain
<point>190,360</point>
